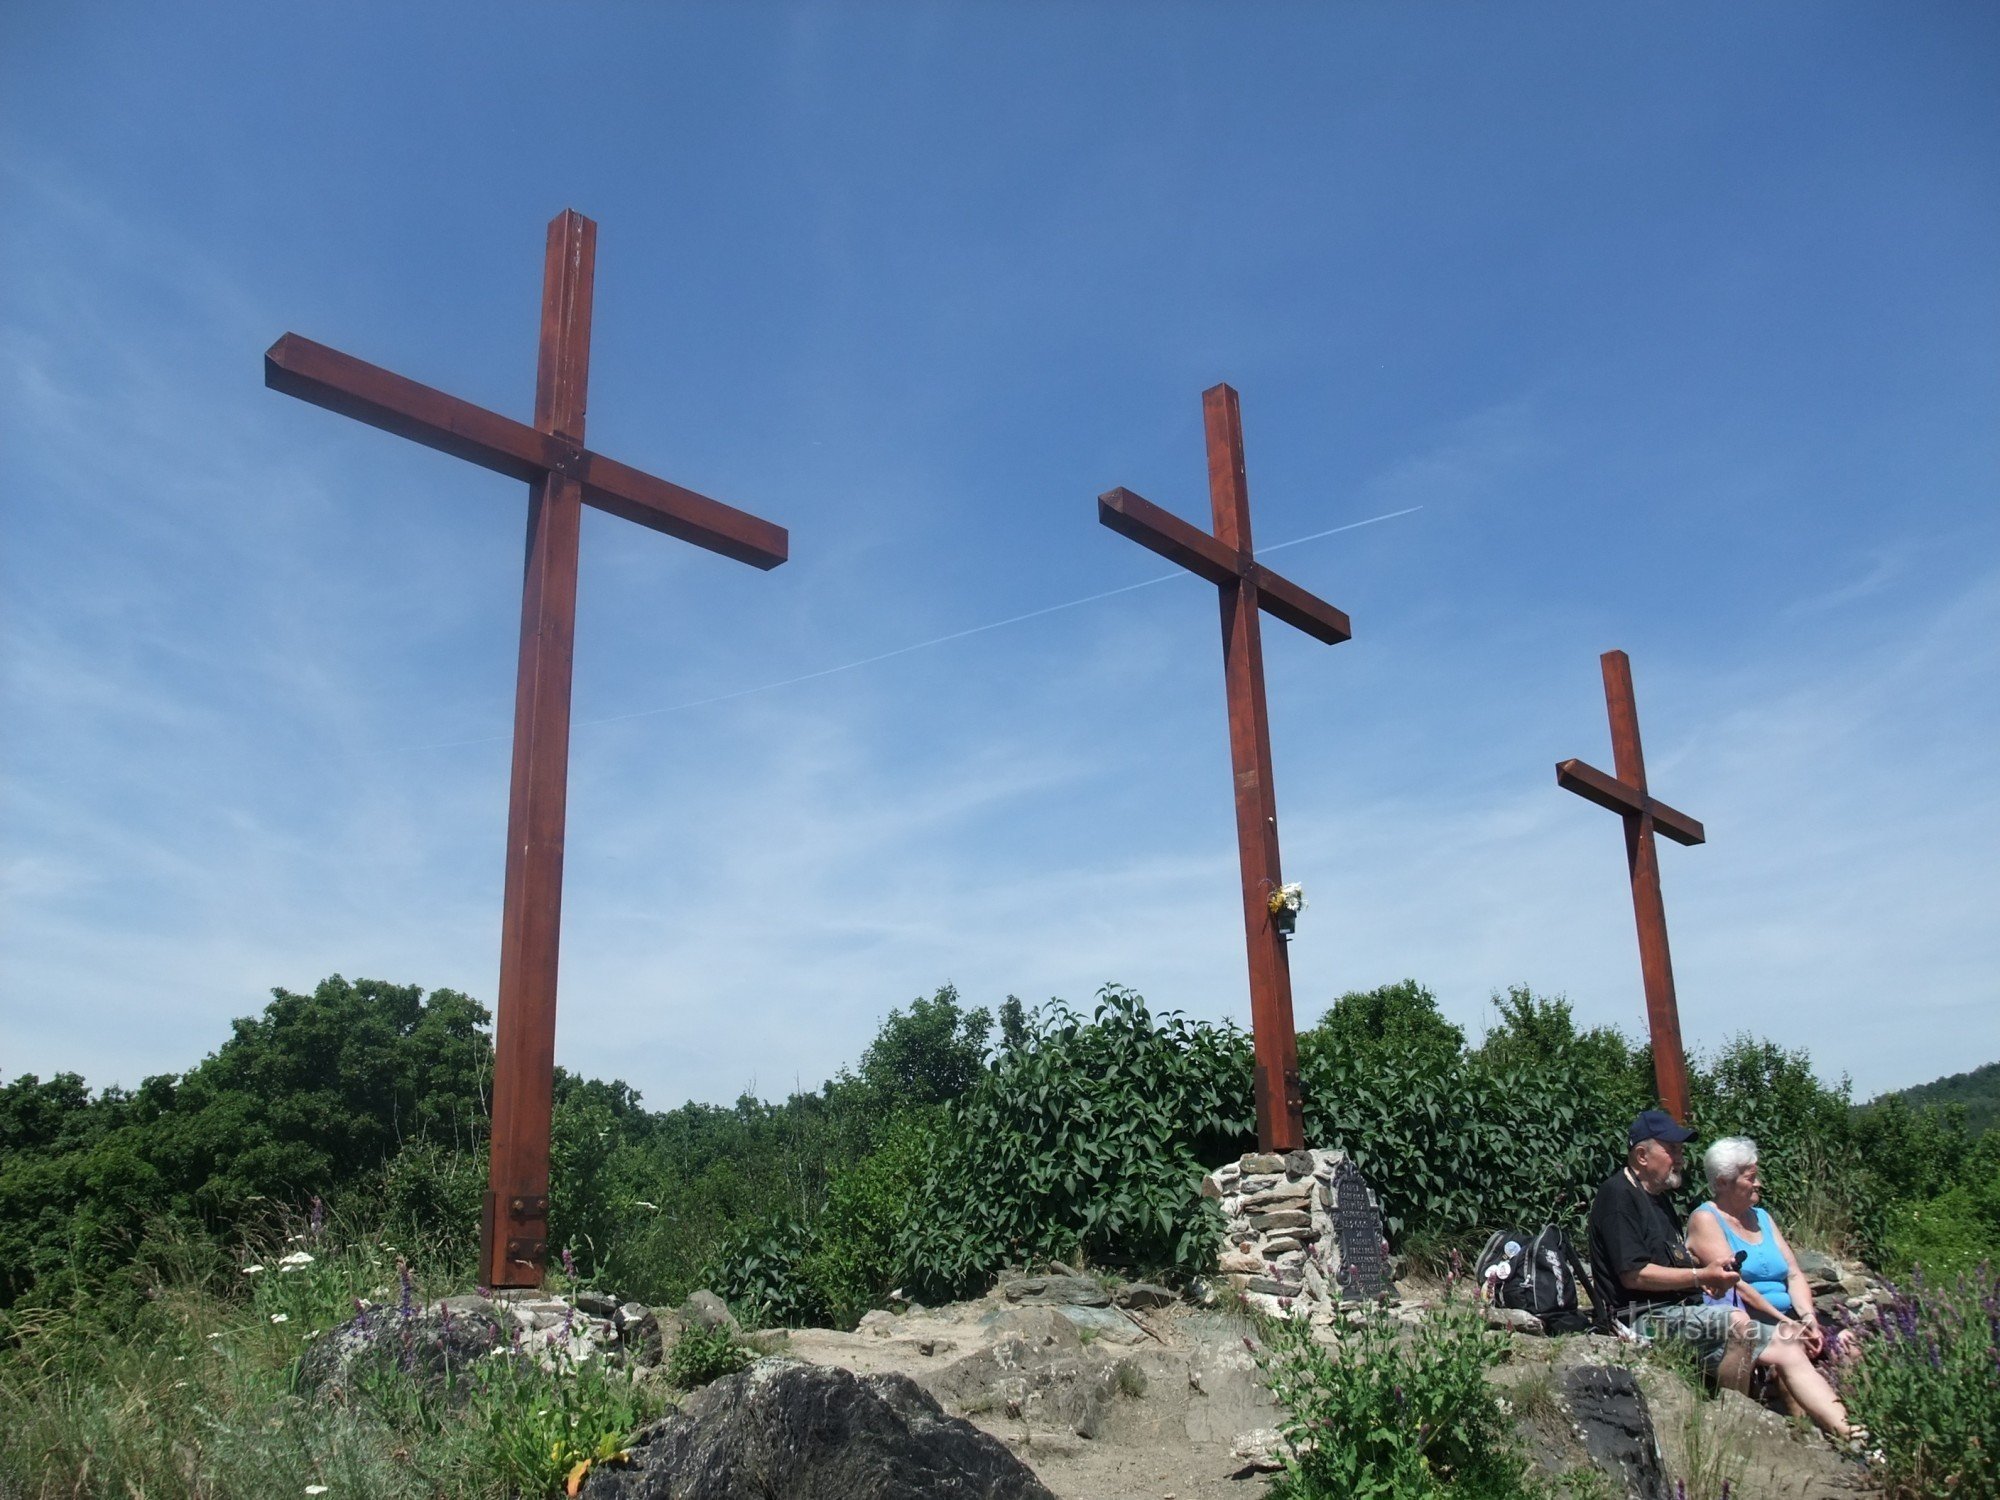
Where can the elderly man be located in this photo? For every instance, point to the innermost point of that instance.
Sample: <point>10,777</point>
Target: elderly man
<point>1641,1269</point>
<point>1644,1275</point>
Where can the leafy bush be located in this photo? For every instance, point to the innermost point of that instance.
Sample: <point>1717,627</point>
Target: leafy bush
<point>1392,1414</point>
<point>851,1262</point>
<point>700,1355</point>
<point>1085,1138</point>
<point>760,1271</point>
<point>432,1192</point>
<point>1759,1089</point>
<point>1927,1388</point>
<point>1957,1231</point>
<point>1457,1142</point>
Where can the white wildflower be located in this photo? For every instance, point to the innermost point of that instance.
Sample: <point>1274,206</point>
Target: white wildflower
<point>252,1270</point>
<point>281,1317</point>
<point>293,1261</point>
<point>315,1489</point>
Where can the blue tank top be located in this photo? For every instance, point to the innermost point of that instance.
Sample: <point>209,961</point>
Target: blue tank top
<point>1766,1268</point>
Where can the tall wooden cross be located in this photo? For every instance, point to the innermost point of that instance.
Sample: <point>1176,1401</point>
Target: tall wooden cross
<point>563,476</point>
<point>1644,814</point>
<point>1247,587</point>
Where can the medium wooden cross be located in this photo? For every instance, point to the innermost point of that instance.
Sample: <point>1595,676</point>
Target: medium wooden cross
<point>1643,813</point>
<point>1226,560</point>
<point>563,476</point>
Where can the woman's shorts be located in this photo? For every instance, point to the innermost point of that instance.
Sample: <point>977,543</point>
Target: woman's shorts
<point>1701,1325</point>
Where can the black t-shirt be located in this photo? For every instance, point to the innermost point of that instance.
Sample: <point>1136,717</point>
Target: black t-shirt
<point>1630,1229</point>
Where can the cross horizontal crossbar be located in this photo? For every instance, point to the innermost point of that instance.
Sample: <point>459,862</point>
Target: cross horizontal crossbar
<point>1608,791</point>
<point>1200,553</point>
<point>354,388</point>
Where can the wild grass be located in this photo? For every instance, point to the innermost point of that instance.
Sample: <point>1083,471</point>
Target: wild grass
<point>1711,1468</point>
<point>190,1391</point>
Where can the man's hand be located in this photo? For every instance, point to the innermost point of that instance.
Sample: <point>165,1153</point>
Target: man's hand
<point>1715,1280</point>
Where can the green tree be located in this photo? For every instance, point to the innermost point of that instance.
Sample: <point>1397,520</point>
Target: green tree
<point>1400,1018</point>
<point>930,1054</point>
<point>313,1097</point>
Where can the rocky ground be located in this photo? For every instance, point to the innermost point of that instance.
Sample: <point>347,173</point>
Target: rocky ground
<point>1113,1403</point>
<point>1102,1393</point>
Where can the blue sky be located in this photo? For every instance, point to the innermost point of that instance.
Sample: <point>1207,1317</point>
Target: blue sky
<point>1671,330</point>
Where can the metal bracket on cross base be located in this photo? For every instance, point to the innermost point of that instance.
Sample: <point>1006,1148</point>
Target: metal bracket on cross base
<point>518,1224</point>
<point>1292,1103</point>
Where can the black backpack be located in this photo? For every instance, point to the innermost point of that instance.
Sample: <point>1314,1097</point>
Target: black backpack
<point>1544,1276</point>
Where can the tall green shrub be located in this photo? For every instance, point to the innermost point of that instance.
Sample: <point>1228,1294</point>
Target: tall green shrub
<point>1086,1138</point>
<point>1457,1142</point>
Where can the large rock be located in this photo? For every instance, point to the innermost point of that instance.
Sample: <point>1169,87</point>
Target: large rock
<point>703,1309</point>
<point>1040,1372</point>
<point>1072,1291</point>
<point>1617,1429</point>
<point>782,1430</point>
<point>435,1347</point>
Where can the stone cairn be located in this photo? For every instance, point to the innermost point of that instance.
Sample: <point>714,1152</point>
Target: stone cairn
<point>1282,1251</point>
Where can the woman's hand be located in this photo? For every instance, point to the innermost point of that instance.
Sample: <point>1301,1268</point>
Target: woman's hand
<point>1812,1335</point>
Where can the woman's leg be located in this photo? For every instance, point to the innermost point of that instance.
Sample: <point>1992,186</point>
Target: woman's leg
<point>1786,1356</point>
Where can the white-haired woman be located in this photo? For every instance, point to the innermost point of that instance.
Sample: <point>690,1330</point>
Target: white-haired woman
<point>1773,1288</point>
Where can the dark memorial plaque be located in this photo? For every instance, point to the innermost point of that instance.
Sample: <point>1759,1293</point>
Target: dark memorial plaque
<point>1357,1228</point>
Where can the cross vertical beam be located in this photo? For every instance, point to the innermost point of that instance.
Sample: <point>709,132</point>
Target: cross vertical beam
<point>1247,589</point>
<point>515,1220</point>
<point>1643,816</point>
<point>1273,1029</point>
<point>562,476</point>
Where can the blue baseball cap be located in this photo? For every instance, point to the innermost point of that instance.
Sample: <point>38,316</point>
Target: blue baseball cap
<point>1658,1125</point>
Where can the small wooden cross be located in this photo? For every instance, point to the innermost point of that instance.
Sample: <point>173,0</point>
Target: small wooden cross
<point>1246,587</point>
<point>563,476</point>
<point>1643,813</point>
